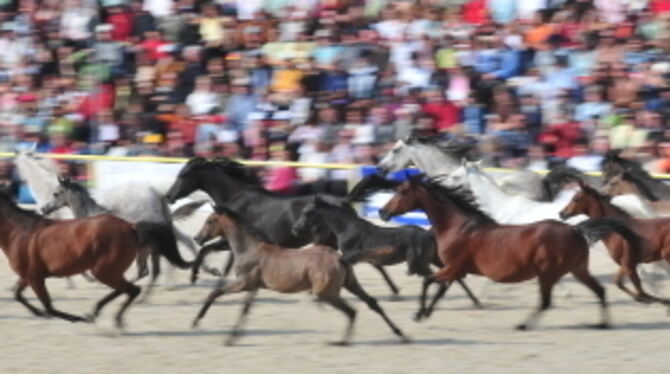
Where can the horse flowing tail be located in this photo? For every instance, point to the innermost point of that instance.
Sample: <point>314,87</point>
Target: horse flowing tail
<point>161,237</point>
<point>595,229</point>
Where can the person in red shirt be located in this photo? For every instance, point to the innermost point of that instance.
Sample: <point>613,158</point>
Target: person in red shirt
<point>659,6</point>
<point>122,20</point>
<point>475,12</point>
<point>445,113</point>
<point>154,45</point>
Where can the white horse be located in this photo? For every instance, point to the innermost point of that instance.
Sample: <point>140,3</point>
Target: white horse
<point>133,201</point>
<point>441,158</point>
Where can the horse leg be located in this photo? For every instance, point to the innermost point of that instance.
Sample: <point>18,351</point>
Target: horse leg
<point>635,279</point>
<point>200,258</point>
<point>427,281</point>
<point>120,286</point>
<point>40,290</point>
<point>142,267</point>
<point>647,277</point>
<point>238,285</point>
<point>156,267</point>
<point>21,285</point>
<point>341,305</point>
<point>471,295</point>
<point>582,274</point>
<point>389,281</point>
<point>438,295</point>
<point>546,286</point>
<point>229,264</point>
<point>355,288</point>
<point>619,281</point>
<point>236,332</point>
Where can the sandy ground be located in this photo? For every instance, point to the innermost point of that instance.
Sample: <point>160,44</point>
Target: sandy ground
<point>287,333</point>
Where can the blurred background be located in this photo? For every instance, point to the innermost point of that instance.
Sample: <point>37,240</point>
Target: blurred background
<point>532,83</point>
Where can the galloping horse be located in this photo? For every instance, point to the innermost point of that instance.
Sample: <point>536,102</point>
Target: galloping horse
<point>470,242</point>
<point>231,184</point>
<point>613,164</point>
<point>362,241</point>
<point>656,233</point>
<point>259,264</point>
<point>39,248</point>
<point>437,157</point>
<point>627,183</point>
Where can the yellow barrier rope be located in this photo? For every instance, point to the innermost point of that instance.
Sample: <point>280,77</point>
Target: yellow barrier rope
<point>247,162</point>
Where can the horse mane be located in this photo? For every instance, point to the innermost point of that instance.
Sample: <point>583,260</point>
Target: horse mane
<point>240,221</point>
<point>225,165</point>
<point>459,196</point>
<point>462,148</point>
<point>603,198</point>
<point>30,217</point>
<point>368,186</point>
<point>559,176</point>
<point>638,182</point>
<point>343,206</point>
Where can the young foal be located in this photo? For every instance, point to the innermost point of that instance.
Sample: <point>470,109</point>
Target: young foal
<point>470,242</point>
<point>656,232</point>
<point>39,248</point>
<point>362,241</point>
<point>261,265</point>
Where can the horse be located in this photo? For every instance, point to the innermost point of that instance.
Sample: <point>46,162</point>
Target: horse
<point>362,241</point>
<point>627,183</point>
<point>259,264</point>
<point>133,201</point>
<point>436,157</point>
<point>76,197</point>
<point>471,242</point>
<point>38,248</point>
<point>655,247</point>
<point>613,164</point>
<point>232,184</point>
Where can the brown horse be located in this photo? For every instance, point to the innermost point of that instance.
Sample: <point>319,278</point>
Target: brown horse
<point>656,232</point>
<point>470,242</point>
<point>258,264</point>
<point>626,183</point>
<point>39,248</point>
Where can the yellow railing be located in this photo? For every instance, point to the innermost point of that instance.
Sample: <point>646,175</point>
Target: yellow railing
<point>245,162</point>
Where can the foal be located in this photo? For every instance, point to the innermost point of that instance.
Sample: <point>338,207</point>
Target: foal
<point>656,245</point>
<point>39,248</point>
<point>362,241</point>
<point>258,264</point>
<point>470,242</point>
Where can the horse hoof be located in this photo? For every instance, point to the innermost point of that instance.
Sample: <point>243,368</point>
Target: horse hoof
<point>405,340</point>
<point>522,327</point>
<point>195,323</point>
<point>602,326</point>
<point>90,318</point>
<point>418,317</point>
<point>341,343</point>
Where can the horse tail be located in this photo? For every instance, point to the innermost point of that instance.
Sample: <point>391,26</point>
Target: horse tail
<point>187,210</point>
<point>161,237</point>
<point>595,229</point>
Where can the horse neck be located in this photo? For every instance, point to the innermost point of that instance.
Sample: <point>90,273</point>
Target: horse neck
<point>41,182</point>
<point>342,224</point>
<point>442,215</point>
<point>607,209</point>
<point>83,205</point>
<point>433,161</point>
<point>222,189</point>
<point>241,241</point>
<point>15,225</point>
<point>487,192</point>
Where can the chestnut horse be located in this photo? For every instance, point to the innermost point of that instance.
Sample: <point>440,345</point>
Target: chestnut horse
<point>470,242</point>
<point>258,264</point>
<point>38,248</point>
<point>656,232</point>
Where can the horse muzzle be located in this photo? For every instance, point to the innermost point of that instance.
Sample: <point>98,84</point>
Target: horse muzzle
<point>384,215</point>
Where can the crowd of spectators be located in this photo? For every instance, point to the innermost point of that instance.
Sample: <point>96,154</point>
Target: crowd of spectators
<point>533,81</point>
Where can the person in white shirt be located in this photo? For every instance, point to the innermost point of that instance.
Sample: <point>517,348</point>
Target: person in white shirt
<point>202,100</point>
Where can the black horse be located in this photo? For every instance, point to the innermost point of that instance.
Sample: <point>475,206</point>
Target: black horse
<point>362,241</point>
<point>233,185</point>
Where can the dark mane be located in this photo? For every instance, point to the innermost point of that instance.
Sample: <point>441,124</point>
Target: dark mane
<point>343,206</point>
<point>455,147</point>
<point>239,220</point>
<point>603,198</point>
<point>638,182</point>
<point>368,186</point>
<point>29,217</point>
<point>462,198</point>
<point>225,165</point>
<point>559,176</point>
<point>74,187</point>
